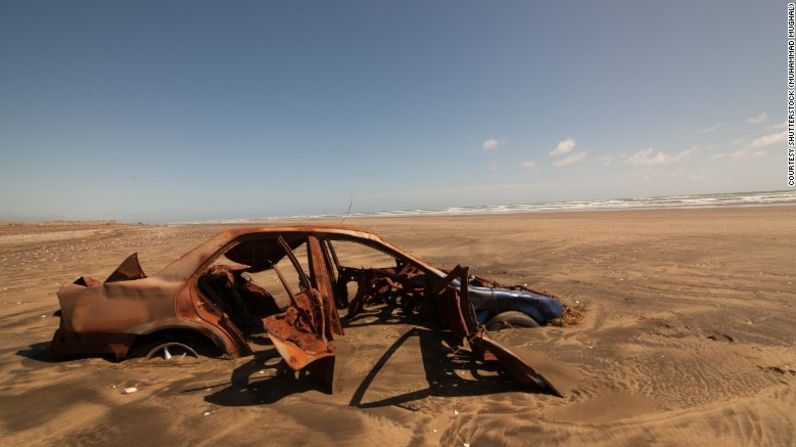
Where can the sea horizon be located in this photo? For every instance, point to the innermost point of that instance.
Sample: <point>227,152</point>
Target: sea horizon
<point>680,201</point>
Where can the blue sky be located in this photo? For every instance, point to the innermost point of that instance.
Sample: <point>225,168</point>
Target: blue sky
<point>163,111</point>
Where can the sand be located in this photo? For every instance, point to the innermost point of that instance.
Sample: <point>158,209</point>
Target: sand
<point>687,338</point>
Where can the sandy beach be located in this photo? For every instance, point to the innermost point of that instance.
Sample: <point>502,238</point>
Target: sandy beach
<point>687,338</point>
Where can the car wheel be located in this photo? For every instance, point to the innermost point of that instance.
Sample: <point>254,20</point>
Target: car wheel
<point>171,352</point>
<point>509,319</point>
<point>173,348</point>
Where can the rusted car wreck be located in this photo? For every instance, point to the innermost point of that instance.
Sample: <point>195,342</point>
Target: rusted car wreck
<point>209,293</point>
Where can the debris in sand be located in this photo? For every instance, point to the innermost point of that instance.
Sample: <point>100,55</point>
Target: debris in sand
<point>411,406</point>
<point>206,413</point>
<point>722,337</point>
<point>779,370</point>
<point>130,390</point>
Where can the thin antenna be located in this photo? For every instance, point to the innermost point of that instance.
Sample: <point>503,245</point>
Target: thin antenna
<point>348,212</point>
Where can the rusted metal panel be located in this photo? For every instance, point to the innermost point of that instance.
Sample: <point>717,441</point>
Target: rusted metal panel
<point>66,344</point>
<point>296,339</point>
<point>520,371</point>
<point>129,269</point>
<point>321,274</point>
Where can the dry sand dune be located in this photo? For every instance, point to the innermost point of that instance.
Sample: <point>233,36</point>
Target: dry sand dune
<point>687,338</point>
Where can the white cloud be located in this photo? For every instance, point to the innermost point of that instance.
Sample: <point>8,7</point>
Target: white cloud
<point>528,164</point>
<point>765,140</point>
<point>757,148</point>
<point>564,146</point>
<point>492,143</point>
<point>577,157</point>
<point>718,156</point>
<point>746,153</point>
<point>647,157</point>
<point>684,155</point>
<point>713,128</point>
<point>781,126</point>
<point>757,119</point>
<point>606,160</point>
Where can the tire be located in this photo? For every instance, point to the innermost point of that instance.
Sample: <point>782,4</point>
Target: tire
<point>171,351</point>
<point>510,319</point>
<point>194,345</point>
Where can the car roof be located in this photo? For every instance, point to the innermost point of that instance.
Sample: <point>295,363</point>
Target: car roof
<point>195,259</point>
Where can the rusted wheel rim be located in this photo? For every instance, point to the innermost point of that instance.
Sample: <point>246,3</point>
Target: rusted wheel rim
<point>171,352</point>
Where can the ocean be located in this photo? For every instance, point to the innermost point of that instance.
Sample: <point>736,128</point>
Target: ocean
<point>737,199</point>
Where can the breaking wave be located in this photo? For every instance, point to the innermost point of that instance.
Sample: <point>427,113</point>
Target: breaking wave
<point>741,199</point>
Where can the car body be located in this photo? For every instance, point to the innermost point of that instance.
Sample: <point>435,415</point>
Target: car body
<point>210,293</point>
